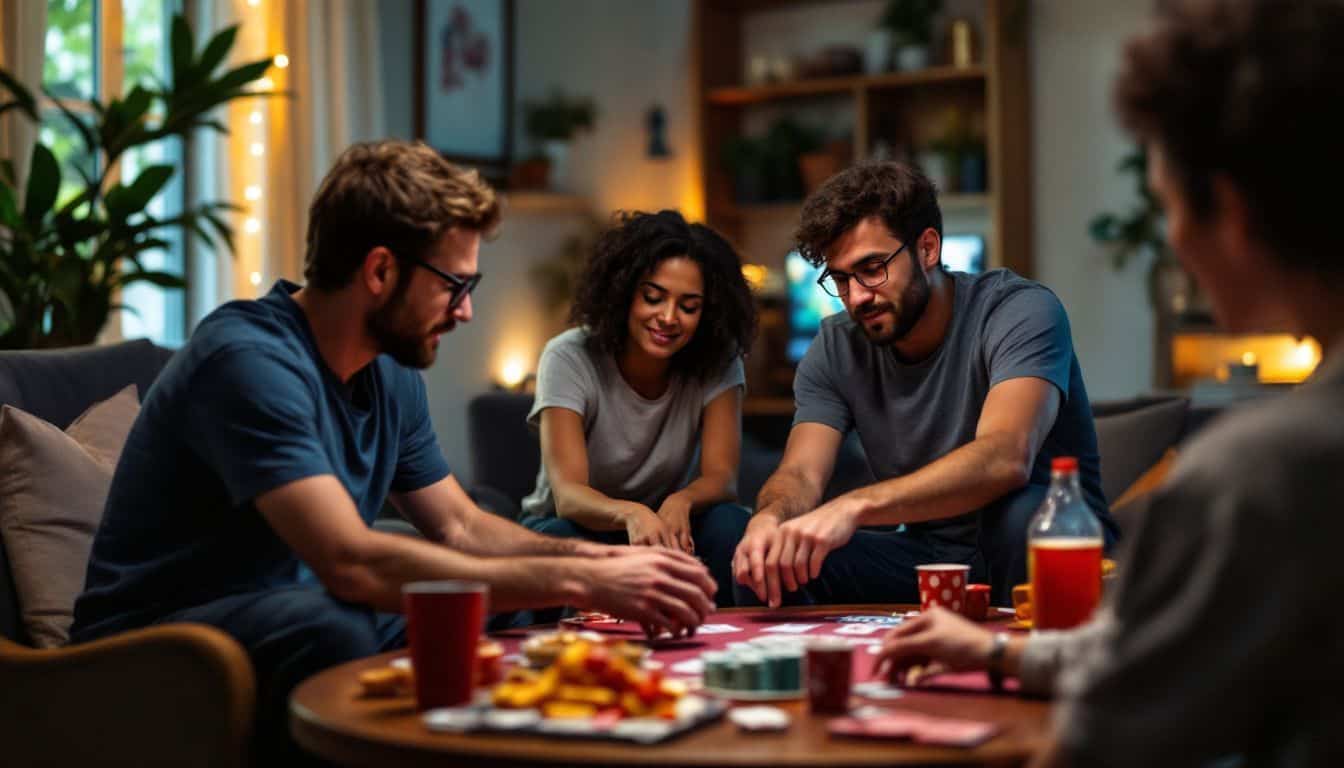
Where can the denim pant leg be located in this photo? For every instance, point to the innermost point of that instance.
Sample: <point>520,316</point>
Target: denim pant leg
<point>716,532</point>
<point>1003,539</point>
<point>292,633</point>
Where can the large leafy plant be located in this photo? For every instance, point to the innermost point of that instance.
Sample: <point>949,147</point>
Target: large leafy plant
<point>62,265</point>
<point>1139,232</point>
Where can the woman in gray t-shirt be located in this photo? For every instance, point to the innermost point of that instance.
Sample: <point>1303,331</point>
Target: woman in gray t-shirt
<point>652,372</point>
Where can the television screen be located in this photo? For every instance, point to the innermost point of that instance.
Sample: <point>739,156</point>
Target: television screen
<point>808,303</point>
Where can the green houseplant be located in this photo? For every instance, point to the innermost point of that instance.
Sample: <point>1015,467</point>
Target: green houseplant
<point>911,25</point>
<point>1139,232</point>
<point>62,263</point>
<point>552,123</point>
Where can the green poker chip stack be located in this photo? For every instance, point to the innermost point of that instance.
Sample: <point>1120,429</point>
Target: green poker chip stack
<point>753,670</point>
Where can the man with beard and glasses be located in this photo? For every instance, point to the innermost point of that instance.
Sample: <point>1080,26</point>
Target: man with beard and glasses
<point>961,388</point>
<point>246,492</point>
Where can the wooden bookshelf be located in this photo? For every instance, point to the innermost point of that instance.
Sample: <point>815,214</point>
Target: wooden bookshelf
<point>822,86</point>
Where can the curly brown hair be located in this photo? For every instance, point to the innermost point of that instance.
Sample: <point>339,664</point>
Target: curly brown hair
<point>901,195</point>
<point>632,248</point>
<point>397,194</point>
<point>1252,90</point>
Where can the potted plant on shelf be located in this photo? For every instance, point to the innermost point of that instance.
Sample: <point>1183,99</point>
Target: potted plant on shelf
<point>65,257</point>
<point>911,25</point>
<point>552,123</point>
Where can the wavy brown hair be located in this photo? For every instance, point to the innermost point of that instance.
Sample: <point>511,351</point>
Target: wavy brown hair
<point>1252,90</point>
<point>899,194</point>
<point>629,251</point>
<point>398,194</point>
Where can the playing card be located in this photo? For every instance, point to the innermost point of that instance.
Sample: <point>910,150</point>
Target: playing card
<point>716,629</point>
<point>888,621</point>
<point>860,629</point>
<point>950,732</point>
<point>791,629</point>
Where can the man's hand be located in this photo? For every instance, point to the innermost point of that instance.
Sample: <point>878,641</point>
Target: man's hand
<point>663,590</point>
<point>749,567</point>
<point>935,636</point>
<point>593,550</point>
<point>805,541</point>
<point>643,527</point>
<point>676,516</point>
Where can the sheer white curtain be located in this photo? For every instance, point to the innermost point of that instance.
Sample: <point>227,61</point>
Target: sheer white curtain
<point>23,34</point>
<point>334,99</point>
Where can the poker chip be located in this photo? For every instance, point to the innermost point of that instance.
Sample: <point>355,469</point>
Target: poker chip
<point>452,719</point>
<point>759,718</point>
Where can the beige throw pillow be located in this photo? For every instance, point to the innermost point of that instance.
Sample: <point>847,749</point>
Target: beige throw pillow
<point>53,485</point>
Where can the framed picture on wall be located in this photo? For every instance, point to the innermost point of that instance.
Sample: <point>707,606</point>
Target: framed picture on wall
<point>464,81</point>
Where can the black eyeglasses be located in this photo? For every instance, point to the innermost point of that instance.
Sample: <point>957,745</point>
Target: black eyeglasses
<point>870,273</point>
<point>460,286</point>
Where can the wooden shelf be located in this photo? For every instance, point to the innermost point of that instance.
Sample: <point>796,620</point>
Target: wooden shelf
<point>822,86</point>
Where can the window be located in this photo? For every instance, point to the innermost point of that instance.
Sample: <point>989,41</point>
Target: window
<point>101,48</point>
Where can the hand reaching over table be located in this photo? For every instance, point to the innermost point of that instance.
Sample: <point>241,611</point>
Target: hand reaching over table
<point>664,590</point>
<point>775,557</point>
<point>937,637</point>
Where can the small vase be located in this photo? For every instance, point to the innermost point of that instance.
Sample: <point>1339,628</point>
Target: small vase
<point>557,151</point>
<point>877,52</point>
<point>912,57</point>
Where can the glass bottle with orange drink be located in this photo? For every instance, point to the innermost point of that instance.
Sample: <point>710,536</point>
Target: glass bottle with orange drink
<point>1064,544</point>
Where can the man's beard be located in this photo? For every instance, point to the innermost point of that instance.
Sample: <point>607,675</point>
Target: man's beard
<point>399,338</point>
<point>914,300</point>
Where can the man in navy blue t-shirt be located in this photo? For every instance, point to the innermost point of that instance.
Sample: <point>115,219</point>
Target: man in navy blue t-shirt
<point>961,389</point>
<point>264,451</point>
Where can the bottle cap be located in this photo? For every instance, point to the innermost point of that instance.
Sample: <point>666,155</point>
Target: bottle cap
<point>1064,464</point>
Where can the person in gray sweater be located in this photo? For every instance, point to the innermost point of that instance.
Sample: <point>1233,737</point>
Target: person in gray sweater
<point>1215,642</point>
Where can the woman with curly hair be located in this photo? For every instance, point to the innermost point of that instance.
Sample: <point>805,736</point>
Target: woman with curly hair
<point>652,371</point>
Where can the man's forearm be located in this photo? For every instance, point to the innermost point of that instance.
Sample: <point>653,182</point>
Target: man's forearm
<point>962,481</point>
<point>485,534</point>
<point>374,576</point>
<point>786,495</point>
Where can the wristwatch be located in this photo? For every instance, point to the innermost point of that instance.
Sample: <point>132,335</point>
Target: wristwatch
<point>994,662</point>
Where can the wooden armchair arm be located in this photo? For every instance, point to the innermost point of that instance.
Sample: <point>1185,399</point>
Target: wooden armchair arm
<point>174,694</point>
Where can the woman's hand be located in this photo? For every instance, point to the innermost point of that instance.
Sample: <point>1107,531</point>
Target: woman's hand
<point>676,516</point>
<point>645,528</point>
<point>935,636</point>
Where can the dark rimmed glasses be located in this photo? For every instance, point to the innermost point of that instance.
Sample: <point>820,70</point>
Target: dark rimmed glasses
<point>461,286</point>
<point>870,273</point>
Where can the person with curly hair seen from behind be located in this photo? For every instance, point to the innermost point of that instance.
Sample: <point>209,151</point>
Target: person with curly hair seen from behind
<point>652,371</point>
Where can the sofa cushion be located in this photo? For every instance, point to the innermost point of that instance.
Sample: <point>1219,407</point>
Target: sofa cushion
<point>53,485</point>
<point>1133,436</point>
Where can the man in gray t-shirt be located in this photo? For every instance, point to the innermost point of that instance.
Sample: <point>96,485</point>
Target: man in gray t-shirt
<point>961,389</point>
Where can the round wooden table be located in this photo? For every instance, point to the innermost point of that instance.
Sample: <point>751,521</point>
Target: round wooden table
<point>330,718</point>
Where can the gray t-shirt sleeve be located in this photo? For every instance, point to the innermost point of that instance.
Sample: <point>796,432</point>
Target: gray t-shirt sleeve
<point>816,398</point>
<point>733,376</point>
<point>566,379</point>
<point>1027,335</point>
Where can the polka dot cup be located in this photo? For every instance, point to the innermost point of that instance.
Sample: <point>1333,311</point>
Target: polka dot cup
<point>943,584</point>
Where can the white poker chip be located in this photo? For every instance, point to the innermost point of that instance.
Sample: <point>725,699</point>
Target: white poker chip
<point>642,729</point>
<point>876,689</point>
<point>759,718</point>
<point>452,719</point>
<point>401,662</point>
<point>511,719</point>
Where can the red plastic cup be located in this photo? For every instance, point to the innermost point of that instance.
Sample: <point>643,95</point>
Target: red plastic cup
<point>977,602</point>
<point>943,584</point>
<point>830,665</point>
<point>444,620</point>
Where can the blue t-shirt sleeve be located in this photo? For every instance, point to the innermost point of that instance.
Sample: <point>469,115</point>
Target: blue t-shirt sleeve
<point>420,462</point>
<point>565,379</point>
<point>253,419</point>
<point>1027,335</point>
<point>816,398</point>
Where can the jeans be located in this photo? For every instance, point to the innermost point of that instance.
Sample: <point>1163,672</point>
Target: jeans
<point>715,531</point>
<point>292,633</point>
